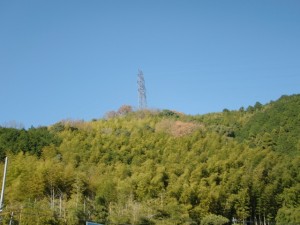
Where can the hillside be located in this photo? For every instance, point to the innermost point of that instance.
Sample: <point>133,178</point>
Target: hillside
<point>276,126</point>
<point>158,167</point>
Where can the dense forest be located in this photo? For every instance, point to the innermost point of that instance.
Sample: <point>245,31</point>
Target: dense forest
<point>157,167</point>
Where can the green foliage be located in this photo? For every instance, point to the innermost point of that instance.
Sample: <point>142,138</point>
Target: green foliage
<point>276,125</point>
<point>158,167</point>
<point>287,216</point>
<point>212,219</point>
<point>169,113</point>
<point>32,140</point>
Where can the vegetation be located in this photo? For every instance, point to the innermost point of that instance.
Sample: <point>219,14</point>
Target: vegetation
<point>158,167</point>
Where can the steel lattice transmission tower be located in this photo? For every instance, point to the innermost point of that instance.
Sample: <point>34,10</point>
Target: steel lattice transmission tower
<point>142,90</point>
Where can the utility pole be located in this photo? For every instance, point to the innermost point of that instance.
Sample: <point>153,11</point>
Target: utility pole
<point>3,185</point>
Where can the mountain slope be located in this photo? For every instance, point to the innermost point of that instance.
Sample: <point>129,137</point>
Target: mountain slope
<point>159,167</point>
<point>276,125</point>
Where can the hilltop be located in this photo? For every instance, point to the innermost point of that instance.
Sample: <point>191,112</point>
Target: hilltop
<point>158,167</point>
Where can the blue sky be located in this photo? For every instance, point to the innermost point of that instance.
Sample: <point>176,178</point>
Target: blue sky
<point>80,59</point>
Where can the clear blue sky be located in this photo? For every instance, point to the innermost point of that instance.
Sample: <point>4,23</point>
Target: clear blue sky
<point>79,59</point>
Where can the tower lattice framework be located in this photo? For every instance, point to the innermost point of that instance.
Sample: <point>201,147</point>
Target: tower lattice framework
<point>142,90</point>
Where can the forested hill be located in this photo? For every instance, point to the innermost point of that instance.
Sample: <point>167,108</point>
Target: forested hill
<point>276,125</point>
<point>158,167</point>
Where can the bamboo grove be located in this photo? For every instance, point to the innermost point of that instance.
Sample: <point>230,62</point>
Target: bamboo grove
<point>158,167</point>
